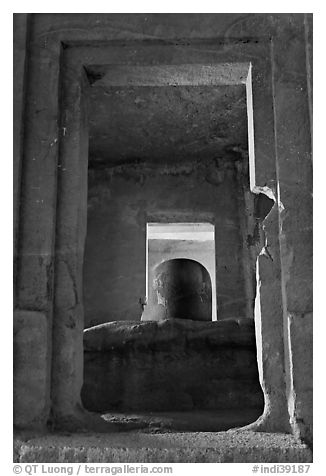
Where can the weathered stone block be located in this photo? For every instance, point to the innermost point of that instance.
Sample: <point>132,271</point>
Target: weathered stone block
<point>301,336</point>
<point>31,365</point>
<point>171,365</point>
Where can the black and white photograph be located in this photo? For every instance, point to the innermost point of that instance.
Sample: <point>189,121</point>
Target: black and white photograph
<point>162,242</point>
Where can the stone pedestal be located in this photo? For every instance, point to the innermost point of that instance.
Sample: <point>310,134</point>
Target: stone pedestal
<point>171,365</point>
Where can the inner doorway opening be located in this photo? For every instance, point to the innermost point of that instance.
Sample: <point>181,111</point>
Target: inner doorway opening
<point>180,271</point>
<point>144,173</point>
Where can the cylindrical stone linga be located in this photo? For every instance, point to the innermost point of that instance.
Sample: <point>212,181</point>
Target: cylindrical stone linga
<point>183,288</point>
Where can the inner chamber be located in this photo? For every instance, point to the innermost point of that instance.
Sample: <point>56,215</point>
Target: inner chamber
<point>169,155</point>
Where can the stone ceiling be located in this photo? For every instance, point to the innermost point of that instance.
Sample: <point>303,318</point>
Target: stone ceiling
<point>165,124</point>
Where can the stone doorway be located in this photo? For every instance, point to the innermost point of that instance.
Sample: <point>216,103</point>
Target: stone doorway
<point>57,60</point>
<point>181,241</point>
<point>80,67</point>
<point>184,362</point>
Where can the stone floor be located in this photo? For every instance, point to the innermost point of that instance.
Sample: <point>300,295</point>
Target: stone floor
<point>199,420</point>
<point>161,447</point>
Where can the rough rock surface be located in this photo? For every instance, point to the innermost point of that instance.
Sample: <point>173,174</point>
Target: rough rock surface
<point>140,447</point>
<point>30,367</point>
<point>172,365</point>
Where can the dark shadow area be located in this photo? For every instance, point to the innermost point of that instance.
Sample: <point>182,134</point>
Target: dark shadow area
<point>177,365</point>
<point>262,206</point>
